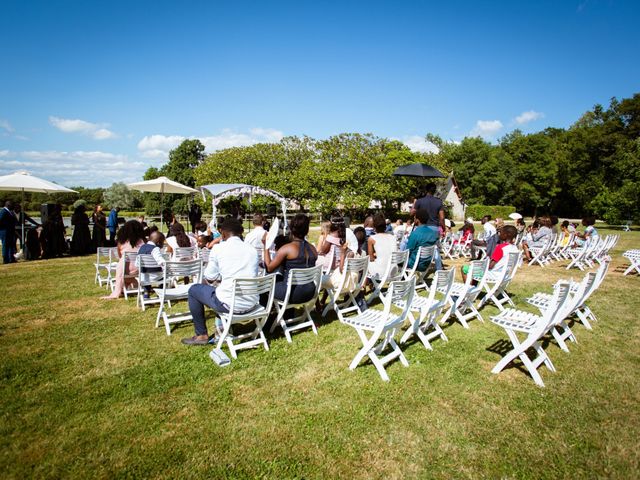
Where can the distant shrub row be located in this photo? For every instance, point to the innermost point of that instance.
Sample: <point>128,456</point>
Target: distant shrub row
<point>478,211</point>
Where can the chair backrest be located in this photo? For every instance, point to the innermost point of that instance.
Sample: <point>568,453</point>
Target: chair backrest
<point>511,267</point>
<point>585,289</point>
<point>244,287</point>
<point>146,260</point>
<point>203,254</point>
<point>422,254</point>
<point>478,273</point>
<point>556,307</point>
<point>179,269</point>
<point>354,267</point>
<point>396,266</point>
<point>399,292</point>
<point>105,254</point>
<point>601,273</point>
<point>185,253</point>
<point>442,282</point>
<point>129,259</point>
<point>304,276</point>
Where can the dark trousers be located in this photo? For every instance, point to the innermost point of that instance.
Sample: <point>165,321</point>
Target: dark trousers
<point>112,236</point>
<point>199,296</point>
<point>8,247</point>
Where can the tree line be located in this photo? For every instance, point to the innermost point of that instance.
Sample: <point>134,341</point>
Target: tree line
<point>590,168</point>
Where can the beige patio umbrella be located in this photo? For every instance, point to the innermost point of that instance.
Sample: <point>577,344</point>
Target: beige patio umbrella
<point>162,185</point>
<point>25,182</point>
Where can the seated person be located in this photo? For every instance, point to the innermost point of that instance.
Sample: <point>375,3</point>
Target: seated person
<point>297,253</point>
<point>421,236</point>
<point>467,232</point>
<point>380,247</point>
<point>179,239</point>
<point>361,236</point>
<point>489,230</point>
<point>256,237</point>
<point>500,254</point>
<point>203,241</point>
<point>538,236</point>
<point>590,232</point>
<point>494,239</point>
<point>152,247</point>
<point>230,259</point>
<point>330,248</point>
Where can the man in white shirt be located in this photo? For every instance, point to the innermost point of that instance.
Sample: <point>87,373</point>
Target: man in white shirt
<point>255,236</point>
<point>230,259</point>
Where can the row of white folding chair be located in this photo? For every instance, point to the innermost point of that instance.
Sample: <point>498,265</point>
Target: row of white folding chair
<point>534,327</point>
<point>593,250</point>
<point>107,260</point>
<point>634,258</point>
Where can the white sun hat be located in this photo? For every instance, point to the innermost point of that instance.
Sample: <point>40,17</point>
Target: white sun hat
<point>515,216</point>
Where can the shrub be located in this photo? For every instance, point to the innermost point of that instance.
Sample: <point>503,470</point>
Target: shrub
<point>478,211</point>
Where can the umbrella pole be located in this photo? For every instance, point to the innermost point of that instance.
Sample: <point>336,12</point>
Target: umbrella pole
<point>22,221</point>
<point>161,208</point>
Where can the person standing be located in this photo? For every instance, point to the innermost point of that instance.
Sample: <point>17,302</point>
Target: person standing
<point>195,216</point>
<point>8,222</point>
<point>112,223</point>
<point>435,215</point>
<point>81,239</point>
<point>99,226</point>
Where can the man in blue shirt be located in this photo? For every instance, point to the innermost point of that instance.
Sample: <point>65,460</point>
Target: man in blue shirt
<point>421,236</point>
<point>112,223</point>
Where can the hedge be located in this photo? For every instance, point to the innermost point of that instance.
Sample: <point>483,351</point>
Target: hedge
<point>478,211</point>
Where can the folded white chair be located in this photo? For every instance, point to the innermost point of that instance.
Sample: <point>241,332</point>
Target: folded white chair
<point>463,295</point>
<point>393,272</point>
<point>169,292</point>
<point>423,254</point>
<point>429,308</point>
<point>377,328</point>
<point>298,276</point>
<point>534,328</point>
<point>496,285</point>
<point>257,316</point>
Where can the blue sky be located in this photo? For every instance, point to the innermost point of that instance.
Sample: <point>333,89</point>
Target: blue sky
<point>93,92</point>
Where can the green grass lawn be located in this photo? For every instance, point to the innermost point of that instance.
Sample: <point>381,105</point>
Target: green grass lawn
<point>92,389</point>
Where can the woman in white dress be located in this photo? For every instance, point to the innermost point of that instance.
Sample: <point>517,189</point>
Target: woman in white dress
<point>380,247</point>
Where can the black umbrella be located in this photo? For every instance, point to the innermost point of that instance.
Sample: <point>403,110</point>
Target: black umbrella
<point>418,170</point>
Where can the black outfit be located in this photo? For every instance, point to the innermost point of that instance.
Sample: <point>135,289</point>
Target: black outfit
<point>299,293</point>
<point>52,237</point>
<point>432,205</point>
<point>173,229</point>
<point>195,216</point>
<point>81,240</point>
<point>8,222</point>
<point>99,229</point>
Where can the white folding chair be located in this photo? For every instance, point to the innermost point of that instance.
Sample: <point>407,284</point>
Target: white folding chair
<point>182,254</point>
<point>146,278</point>
<point>424,255</point>
<point>377,328</point>
<point>560,329</point>
<point>255,317</point>
<point>464,295</point>
<point>351,283</point>
<point>496,286</point>
<point>129,260</point>
<point>107,260</point>
<point>297,277</point>
<point>429,309</point>
<point>634,259</point>
<point>203,255</point>
<point>170,292</point>
<point>534,327</point>
<point>393,272</point>
<point>540,254</point>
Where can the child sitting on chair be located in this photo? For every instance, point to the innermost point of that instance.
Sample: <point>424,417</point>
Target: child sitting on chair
<point>500,254</point>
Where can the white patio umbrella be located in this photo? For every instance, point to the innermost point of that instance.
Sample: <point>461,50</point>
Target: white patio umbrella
<point>162,185</point>
<point>25,182</point>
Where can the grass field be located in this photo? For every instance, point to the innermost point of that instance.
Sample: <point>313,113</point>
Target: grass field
<point>91,390</point>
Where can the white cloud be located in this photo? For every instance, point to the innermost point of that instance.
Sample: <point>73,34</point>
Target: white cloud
<point>158,146</point>
<point>486,128</point>
<point>529,116</point>
<point>98,131</point>
<point>86,168</point>
<point>419,144</point>
<point>5,125</point>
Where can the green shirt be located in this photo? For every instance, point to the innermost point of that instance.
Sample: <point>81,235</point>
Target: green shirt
<point>422,236</point>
